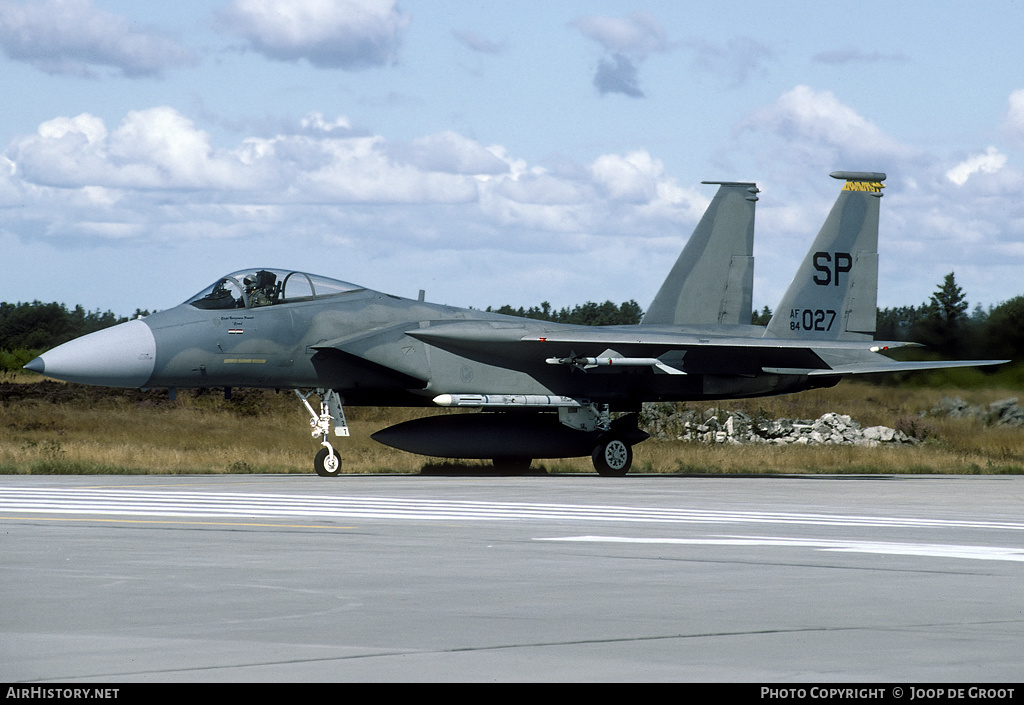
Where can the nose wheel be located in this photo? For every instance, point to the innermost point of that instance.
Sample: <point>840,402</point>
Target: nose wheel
<point>327,463</point>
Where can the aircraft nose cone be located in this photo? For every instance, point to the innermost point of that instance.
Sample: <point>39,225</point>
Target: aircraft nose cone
<point>121,356</point>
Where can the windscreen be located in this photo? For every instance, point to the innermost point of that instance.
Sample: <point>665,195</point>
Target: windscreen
<point>256,288</point>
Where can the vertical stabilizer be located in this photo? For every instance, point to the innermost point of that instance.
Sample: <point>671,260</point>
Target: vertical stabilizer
<point>713,279</point>
<point>835,293</point>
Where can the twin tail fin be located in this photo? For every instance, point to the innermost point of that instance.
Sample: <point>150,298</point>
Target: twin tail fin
<point>834,295</point>
<point>713,280</point>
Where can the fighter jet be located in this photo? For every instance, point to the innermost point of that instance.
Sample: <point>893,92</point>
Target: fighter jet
<point>543,390</point>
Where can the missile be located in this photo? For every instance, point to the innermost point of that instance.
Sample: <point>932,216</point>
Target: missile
<point>591,362</point>
<point>506,400</point>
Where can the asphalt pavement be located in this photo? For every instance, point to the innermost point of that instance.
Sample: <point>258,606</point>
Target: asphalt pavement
<point>896,579</point>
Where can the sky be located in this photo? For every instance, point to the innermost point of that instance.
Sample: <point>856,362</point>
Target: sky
<point>497,153</point>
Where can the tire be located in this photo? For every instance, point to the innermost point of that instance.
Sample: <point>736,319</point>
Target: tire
<point>612,457</point>
<point>326,465</point>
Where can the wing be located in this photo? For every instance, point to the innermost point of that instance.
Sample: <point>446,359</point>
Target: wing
<point>671,351</point>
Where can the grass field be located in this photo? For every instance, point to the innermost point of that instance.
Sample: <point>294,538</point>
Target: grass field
<point>52,428</point>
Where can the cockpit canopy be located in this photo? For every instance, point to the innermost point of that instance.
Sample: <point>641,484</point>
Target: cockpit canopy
<point>253,288</point>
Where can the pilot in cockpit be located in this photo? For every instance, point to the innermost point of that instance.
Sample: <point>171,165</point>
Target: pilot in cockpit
<point>260,288</point>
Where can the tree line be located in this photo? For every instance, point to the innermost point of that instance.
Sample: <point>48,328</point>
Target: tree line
<point>27,329</point>
<point>942,323</point>
<point>588,314</point>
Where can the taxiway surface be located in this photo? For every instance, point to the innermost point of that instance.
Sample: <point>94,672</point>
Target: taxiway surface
<point>544,578</point>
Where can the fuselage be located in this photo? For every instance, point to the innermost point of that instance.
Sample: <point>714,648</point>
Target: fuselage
<point>378,349</point>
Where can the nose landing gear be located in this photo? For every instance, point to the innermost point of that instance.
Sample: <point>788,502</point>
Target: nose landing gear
<point>327,463</point>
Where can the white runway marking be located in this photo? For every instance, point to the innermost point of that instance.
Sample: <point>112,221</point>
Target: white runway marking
<point>237,505</point>
<point>135,502</point>
<point>891,548</point>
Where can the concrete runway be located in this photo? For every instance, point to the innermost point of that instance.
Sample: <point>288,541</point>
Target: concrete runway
<point>544,578</point>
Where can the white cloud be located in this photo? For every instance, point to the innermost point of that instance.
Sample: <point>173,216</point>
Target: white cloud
<point>157,148</point>
<point>91,128</point>
<point>627,41</point>
<point>345,34</point>
<point>158,177</point>
<point>359,170</point>
<point>74,37</point>
<point>316,123</point>
<point>733,62</point>
<point>988,163</point>
<point>540,187</point>
<point>638,34</point>
<point>825,130</point>
<point>478,43</point>
<point>632,178</point>
<point>1014,122</point>
<point>450,153</point>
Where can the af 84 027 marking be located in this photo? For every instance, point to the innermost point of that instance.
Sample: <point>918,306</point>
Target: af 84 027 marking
<point>807,319</point>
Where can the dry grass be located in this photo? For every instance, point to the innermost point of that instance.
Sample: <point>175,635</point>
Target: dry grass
<point>69,429</point>
<point>949,445</point>
<point>259,432</point>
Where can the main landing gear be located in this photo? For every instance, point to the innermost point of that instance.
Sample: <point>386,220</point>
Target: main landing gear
<point>327,462</point>
<point>613,453</point>
<point>612,457</point>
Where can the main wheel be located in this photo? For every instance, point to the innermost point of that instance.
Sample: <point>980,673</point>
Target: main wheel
<point>327,464</point>
<point>612,457</point>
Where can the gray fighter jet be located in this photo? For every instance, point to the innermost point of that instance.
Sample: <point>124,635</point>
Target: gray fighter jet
<point>545,390</point>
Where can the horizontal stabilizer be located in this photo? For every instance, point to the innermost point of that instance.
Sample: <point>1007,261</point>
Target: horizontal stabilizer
<point>881,367</point>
